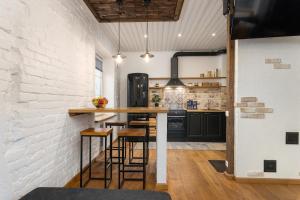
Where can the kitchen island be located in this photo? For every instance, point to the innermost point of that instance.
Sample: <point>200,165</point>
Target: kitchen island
<point>161,138</point>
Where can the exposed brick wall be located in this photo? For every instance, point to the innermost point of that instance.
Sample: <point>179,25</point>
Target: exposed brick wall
<point>47,54</point>
<point>252,109</point>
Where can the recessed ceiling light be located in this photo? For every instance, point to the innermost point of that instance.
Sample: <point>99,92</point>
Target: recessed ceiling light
<point>179,35</point>
<point>145,36</point>
<point>213,34</point>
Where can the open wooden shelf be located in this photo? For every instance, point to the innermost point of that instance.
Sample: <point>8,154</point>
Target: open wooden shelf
<point>188,78</point>
<point>193,87</point>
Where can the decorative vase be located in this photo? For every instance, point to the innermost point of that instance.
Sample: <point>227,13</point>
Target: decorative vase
<point>156,104</point>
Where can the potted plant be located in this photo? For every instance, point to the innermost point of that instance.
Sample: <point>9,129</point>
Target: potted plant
<point>156,99</point>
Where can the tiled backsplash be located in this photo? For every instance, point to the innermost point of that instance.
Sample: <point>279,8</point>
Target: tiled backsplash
<point>177,98</point>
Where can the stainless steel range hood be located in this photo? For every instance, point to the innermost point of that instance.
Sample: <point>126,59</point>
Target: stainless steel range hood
<point>175,81</point>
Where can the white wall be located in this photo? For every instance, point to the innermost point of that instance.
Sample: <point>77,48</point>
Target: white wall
<point>160,66</point>
<point>260,139</point>
<point>194,66</point>
<point>109,80</point>
<point>47,62</point>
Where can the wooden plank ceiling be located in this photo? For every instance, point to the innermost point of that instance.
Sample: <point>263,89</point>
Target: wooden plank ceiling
<point>199,19</point>
<point>134,10</point>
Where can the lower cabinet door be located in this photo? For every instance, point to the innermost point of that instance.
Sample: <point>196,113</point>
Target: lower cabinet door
<point>194,125</point>
<point>214,126</point>
<point>206,127</point>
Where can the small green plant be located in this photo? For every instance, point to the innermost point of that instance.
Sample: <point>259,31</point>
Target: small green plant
<point>156,99</point>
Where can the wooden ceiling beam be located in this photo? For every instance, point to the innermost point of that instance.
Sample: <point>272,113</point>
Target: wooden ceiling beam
<point>134,10</point>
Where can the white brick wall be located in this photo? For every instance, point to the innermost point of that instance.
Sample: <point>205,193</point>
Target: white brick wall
<point>47,55</point>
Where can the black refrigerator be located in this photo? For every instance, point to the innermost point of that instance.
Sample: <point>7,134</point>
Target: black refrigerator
<point>137,94</point>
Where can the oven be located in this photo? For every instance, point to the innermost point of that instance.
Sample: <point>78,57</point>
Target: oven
<point>177,125</point>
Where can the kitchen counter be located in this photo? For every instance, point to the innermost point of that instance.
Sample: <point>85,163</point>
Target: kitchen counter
<point>79,111</point>
<point>161,137</point>
<point>205,110</point>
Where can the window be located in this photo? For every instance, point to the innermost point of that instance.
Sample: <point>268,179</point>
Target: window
<point>98,77</point>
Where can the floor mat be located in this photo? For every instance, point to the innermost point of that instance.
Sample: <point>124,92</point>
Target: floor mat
<point>219,165</point>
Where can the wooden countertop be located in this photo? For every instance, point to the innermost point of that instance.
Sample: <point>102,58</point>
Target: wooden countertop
<point>204,110</point>
<point>79,111</point>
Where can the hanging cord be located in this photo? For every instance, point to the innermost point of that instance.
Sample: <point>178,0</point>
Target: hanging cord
<point>147,29</point>
<point>119,27</point>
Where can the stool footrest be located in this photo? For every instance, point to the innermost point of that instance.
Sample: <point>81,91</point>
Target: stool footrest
<point>139,171</point>
<point>134,165</point>
<point>100,178</point>
<point>133,179</point>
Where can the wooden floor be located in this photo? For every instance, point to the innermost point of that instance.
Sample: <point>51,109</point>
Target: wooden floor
<point>191,177</point>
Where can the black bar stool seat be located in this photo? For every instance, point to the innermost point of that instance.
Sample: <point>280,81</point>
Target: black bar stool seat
<point>122,124</point>
<point>101,133</point>
<point>125,135</point>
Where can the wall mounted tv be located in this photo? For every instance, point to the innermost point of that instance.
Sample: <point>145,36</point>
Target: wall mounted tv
<point>265,18</point>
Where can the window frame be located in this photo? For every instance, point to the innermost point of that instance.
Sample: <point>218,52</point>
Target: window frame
<point>98,68</point>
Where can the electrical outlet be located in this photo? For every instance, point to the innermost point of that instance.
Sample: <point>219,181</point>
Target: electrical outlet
<point>255,173</point>
<point>270,166</point>
<point>226,163</point>
<point>227,113</point>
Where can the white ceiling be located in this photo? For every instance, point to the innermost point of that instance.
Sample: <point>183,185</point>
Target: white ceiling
<point>198,20</point>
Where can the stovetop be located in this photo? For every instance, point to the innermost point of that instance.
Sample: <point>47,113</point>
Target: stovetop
<point>179,112</point>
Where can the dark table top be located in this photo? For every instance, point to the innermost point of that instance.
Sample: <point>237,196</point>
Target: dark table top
<point>93,194</point>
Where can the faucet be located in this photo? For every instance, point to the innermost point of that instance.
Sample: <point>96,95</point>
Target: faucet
<point>208,103</point>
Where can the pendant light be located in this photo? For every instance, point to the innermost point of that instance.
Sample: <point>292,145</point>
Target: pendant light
<point>119,57</point>
<point>147,55</point>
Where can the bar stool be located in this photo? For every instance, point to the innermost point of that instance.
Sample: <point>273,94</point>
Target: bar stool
<point>125,135</point>
<point>100,133</point>
<point>115,148</point>
<point>138,124</point>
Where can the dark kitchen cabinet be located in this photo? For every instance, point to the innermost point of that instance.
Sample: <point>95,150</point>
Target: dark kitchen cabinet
<point>194,124</point>
<point>206,127</point>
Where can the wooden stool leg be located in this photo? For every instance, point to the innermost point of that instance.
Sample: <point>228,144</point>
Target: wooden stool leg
<point>81,138</point>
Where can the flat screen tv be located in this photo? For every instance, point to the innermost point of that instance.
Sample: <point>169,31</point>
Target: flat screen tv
<point>265,18</point>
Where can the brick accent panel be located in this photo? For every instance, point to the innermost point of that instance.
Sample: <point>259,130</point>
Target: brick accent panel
<point>252,109</point>
<point>277,63</point>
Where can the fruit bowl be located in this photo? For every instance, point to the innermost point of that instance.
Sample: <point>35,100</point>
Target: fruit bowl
<point>100,102</point>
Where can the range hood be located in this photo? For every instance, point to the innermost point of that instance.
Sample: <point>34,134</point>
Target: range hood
<point>175,81</point>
